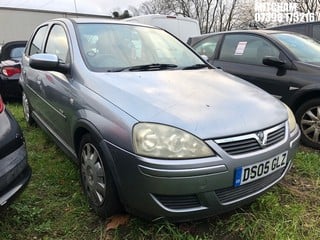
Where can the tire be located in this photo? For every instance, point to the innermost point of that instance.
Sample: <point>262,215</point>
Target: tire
<point>27,110</point>
<point>96,179</point>
<point>308,118</point>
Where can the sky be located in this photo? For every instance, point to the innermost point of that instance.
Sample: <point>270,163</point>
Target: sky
<point>104,7</point>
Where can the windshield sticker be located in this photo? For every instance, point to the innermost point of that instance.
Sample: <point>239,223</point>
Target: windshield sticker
<point>240,48</point>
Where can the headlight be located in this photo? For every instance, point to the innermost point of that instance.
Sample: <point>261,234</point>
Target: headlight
<point>291,119</point>
<point>161,141</point>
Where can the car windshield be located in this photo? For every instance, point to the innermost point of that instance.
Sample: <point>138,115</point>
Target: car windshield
<point>121,47</point>
<point>304,48</point>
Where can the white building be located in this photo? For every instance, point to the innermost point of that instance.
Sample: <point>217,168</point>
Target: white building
<point>18,19</point>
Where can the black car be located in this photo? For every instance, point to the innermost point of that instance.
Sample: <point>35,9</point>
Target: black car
<point>15,171</point>
<point>285,64</point>
<point>10,69</point>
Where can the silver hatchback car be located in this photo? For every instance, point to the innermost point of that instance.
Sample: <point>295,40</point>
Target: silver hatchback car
<point>154,128</point>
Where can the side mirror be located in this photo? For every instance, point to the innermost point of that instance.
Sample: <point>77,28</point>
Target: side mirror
<point>273,62</point>
<point>48,62</point>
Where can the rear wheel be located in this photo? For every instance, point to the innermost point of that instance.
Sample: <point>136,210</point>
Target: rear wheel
<point>96,179</point>
<point>27,109</point>
<point>308,118</point>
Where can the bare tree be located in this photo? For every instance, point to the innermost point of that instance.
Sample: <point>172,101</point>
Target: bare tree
<point>213,15</point>
<point>221,15</point>
<point>157,6</point>
<point>309,7</point>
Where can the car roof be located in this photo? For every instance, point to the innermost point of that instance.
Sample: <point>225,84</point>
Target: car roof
<point>258,31</point>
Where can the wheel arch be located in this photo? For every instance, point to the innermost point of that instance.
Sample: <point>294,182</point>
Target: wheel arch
<point>84,127</point>
<point>304,96</point>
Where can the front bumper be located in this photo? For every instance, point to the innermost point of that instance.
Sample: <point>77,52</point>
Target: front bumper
<point>15,173</point>
<point>182,190</point>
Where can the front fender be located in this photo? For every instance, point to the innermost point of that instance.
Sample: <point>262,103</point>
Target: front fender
<point>111,128</point>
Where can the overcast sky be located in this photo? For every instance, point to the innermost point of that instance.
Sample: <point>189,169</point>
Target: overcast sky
<point>105,7</point>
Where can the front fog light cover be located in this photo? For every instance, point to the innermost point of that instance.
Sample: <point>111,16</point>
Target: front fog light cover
<point>161,141</point>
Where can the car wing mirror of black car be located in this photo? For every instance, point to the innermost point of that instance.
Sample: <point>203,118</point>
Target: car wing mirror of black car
<point>274,62</point>
<point>48,62</point>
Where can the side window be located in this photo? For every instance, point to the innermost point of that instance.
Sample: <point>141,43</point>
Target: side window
<point>246,49</point>
<point>207,46</point>
<point>58,43</point>
<point>37,41</point>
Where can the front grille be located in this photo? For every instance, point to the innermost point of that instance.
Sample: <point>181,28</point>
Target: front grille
<point>276,136</point>
<point>229,195</point>
<point>241,146</point>
<point>253,141</point>
<point>178,202</point>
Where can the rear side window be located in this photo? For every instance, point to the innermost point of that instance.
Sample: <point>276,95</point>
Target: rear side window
<point>207,46</point>
<point>37,41</point>
<point>246,49</point>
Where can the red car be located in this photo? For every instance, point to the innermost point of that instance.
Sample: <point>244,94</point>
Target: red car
<point>10,56</point>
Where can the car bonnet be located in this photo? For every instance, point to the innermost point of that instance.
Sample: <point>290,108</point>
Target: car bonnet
<point>207,103</point>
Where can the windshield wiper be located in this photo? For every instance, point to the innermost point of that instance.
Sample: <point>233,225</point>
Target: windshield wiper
<point>196,66</point>
<point>148,67</point>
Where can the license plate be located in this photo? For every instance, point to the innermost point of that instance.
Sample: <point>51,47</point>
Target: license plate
<point>253,172</point>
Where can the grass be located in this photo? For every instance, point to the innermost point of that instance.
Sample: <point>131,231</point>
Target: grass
<point>53,205</point>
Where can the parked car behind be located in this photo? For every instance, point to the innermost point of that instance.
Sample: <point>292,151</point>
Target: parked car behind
<point>10,69</point>
<point>153,127</point>
<point>14,169</point>
<point>284,64</point>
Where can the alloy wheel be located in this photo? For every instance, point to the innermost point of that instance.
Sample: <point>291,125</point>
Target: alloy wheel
<point>310,124</point>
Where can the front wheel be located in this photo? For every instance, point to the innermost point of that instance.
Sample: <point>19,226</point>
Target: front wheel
<point>308,118</point>
<point>96,179</point>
